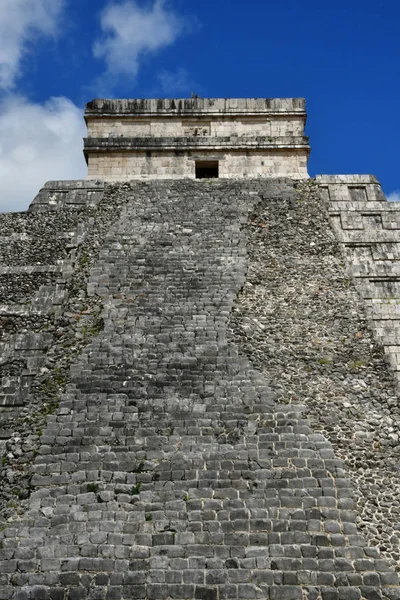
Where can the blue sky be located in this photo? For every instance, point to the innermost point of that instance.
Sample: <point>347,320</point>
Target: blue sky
<point>55,55</point>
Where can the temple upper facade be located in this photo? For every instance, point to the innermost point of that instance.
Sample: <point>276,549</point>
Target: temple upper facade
<point>227,138</point>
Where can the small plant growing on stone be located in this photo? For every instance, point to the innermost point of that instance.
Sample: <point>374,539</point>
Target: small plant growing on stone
<point>357,364</point>
<point>136,488</point>
<point>50,408</point>
<point>59,378</point>
<point>149,517</point>
<point>325,360</point>
<point>92,487</point>
<point>83,259</point>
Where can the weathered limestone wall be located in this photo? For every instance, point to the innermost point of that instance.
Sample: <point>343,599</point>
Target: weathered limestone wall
<point>120,166</point>
<point>161,139</point>
<point>180,463</point>
<point>367,227</point>
<point>280,126</point>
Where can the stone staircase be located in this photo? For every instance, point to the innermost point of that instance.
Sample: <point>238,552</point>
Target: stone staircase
<point>174,467</point>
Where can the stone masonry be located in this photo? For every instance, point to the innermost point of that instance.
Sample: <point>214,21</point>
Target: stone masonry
<point>196,401</point>
<point>173,467</point>
<point>166,139</point>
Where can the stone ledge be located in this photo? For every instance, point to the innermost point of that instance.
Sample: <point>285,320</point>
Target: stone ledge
<point>168,106</point>
<point>346,179</point>
<point>72,184</point>
<point>174,143</point>
<point>373,207</point>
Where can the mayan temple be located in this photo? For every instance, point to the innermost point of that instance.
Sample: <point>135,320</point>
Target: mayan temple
<point>200,367</point>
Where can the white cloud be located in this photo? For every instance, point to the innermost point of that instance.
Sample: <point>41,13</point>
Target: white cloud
<point>21,21</point>
<point>131,31</point>
<point>38,143</point>
<point>394,196</point>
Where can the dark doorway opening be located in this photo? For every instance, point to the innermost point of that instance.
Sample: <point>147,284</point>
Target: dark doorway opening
<point>206,169</point>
